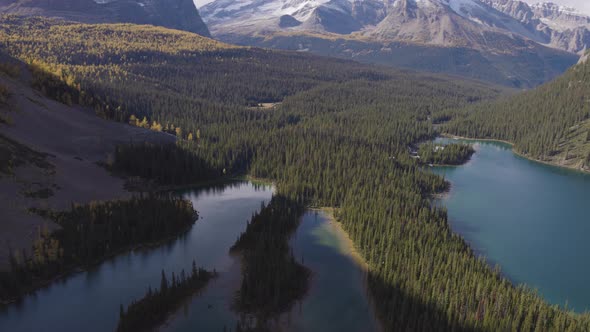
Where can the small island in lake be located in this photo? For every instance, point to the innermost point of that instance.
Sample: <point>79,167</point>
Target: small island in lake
<point>445,155</point>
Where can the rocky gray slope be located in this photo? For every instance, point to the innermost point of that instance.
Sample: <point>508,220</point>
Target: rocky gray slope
<point>434,22</point>
<point>559,27</point>
<point>72,140</point>
<point>484,41</point>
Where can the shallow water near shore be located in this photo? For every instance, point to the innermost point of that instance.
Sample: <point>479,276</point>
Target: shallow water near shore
<point>531,219</point>
<point>89,301</point>
<point>337,299</point>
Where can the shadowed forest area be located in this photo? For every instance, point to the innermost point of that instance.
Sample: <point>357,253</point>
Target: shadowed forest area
<point>88,234</point>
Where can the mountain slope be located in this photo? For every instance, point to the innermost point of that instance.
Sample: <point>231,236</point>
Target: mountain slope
<point>434,22</point>
<point>54,149</point>
<point>468,37</point>
<point>550,123</point>
<point>449,23</point>
<point>425,21</point>
<point>527,65</point>
<point>175,14</point>
<point>557,26</point>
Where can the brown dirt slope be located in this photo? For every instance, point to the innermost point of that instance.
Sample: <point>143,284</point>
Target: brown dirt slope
<point>73,140</point>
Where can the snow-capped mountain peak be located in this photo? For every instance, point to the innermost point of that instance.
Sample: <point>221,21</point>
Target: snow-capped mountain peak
<point>299,9</point>
<point>464,7</point>
<point>555,8</point>
<point>440,22</point>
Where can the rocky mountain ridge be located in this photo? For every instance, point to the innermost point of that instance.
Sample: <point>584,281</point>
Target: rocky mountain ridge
<point>464,37</point>
<point>470,23</point>
<point>175,14</point>
<point>558,26</point>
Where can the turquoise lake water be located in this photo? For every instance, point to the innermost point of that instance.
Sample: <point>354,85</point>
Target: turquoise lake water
<point>531,219</point>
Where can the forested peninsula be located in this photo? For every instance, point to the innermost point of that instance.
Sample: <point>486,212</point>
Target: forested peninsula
<point>550,124</point>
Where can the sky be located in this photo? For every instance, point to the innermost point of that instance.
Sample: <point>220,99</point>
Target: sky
<point>581,5</point>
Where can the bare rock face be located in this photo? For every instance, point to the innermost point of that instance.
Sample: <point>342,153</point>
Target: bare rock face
<point>175,14</point>
<point>288,21</point>
<point>516,9</point>
<point>433,22</point>
<point>561,27</point>
<point>479,35</point>
<point>335,17</point>
<point>369,13</point>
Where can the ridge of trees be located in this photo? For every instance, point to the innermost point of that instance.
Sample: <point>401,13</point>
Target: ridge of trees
<point>549,121</point>
<point>181,166</point>
<point>151,310</point>
<point>91,233</point>
<point>272,279</point>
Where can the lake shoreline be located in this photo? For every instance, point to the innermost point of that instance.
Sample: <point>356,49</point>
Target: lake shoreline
<point>349,246</point>
<point>353,253</point>
<point>146,186</point>
<point>516,152</point>
<point>127,277</point>
<point>509,209</point>
<point>177,314</point>
<point>74,270</point>
<point>129,319</point>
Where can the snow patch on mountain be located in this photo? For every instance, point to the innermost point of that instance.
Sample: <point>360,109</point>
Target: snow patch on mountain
<point>550,6</point>
<point>447,22</point>
<point>266,9</point>
<point>464,7</point>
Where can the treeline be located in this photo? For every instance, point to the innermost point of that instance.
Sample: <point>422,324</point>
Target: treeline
<point>167,164</point>
<point>449,154</point>
<point>90,233</point>
<point>543,123</point>
<point>340,138</point>
<point>272,278</point>
<point>150,311</point>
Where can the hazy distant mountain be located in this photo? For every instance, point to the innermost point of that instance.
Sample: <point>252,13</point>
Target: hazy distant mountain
<point>436,22</point>
<point>558,26</point>
<point>175,14</point>
<point>489,39</point>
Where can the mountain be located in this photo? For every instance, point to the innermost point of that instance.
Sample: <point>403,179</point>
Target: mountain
<point>466,37</point>
<point>557,26</point>
<point>174,14</point>
<point>550,123</point>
